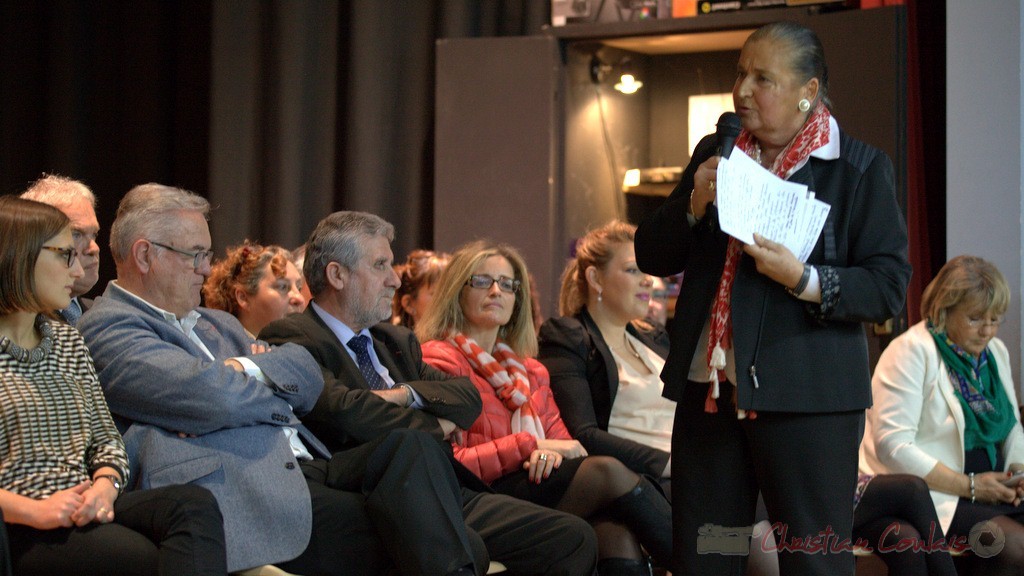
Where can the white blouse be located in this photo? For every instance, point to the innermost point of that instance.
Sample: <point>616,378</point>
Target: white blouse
<point>639,412</point>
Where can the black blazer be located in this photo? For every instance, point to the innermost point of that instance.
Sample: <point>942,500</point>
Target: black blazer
<point>347,413</point>
<point>585,380</point>
<point>806,359</point>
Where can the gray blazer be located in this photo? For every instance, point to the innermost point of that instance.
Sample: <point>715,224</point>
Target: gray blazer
<point>158,383</point>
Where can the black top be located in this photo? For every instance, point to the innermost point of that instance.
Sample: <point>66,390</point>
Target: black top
<point>806,357</point>
<point>585,380</point>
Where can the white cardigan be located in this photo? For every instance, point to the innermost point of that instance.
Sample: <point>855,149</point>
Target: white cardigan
<point>916,420</point>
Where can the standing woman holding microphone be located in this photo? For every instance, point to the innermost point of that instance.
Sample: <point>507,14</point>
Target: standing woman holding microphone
<point>768,363</point>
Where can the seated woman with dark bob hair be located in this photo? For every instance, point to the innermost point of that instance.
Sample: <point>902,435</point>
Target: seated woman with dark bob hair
<point>63,466</point>
<point>480,326</point>
<point>945,410</point>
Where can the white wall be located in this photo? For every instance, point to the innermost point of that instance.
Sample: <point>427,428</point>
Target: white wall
<point>984,135</point>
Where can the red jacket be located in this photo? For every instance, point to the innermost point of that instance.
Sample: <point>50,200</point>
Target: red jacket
<point>490,449</point>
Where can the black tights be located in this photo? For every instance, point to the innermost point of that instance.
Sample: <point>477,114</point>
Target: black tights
<point>599,481</point>
<point>894,508</point>
<point>1000,558</point>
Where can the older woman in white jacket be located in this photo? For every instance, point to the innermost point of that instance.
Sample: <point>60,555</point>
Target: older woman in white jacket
<point>945,409</point>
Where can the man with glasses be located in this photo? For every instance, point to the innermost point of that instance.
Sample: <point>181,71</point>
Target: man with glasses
<point>375,382</point>
<point>200,402</point>
<point>78,203</point>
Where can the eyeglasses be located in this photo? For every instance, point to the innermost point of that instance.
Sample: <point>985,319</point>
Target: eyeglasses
<point>484,282</point>
<point>978,322</point>
<point>69,254</point>
<point>198,258</point>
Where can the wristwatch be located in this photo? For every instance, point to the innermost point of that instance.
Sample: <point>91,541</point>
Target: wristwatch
<point>113,480</point>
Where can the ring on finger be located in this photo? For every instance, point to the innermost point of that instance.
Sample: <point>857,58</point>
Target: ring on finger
<point>711,185</point>
<point>543,456</point>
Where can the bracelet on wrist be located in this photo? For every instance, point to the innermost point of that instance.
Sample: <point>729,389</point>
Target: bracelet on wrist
<point>805,277</point>
<point>971,478</point>
<point>115,481</point>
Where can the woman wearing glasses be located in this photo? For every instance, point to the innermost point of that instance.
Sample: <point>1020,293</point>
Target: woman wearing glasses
<point>945,409</point>
<point>480,326</point>
<point>63,466</point>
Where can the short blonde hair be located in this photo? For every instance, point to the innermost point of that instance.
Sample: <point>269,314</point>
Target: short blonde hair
<point>967,280</point>
<point>445,316</point>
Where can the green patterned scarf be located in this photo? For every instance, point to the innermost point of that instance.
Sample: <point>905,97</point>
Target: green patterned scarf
<point>988,416</point>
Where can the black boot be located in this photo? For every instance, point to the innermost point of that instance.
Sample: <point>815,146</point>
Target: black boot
<point>648,515</point>
<point>623,567</point>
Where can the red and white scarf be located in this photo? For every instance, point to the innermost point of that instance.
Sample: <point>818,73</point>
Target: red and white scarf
<point>813,135</point>
<point>507,374</point>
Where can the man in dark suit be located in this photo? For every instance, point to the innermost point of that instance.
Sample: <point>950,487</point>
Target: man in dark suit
<point>78,203</point>
<point>207,405</point>
<point>375,382</point>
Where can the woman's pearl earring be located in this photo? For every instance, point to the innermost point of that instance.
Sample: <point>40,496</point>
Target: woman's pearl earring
<point>598,296</point>
<point>804,105</point>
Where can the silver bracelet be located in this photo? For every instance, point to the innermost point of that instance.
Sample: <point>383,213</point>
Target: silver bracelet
<point>410,398</point>
<point>971,477</point>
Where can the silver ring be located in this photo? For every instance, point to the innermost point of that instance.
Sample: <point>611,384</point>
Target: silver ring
<point>711,185</point>
<point>543,457</point>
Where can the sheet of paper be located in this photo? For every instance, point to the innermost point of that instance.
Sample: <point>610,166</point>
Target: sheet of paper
<point>752,200</point>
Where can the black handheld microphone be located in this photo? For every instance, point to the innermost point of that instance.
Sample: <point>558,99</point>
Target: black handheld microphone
<point>728,129</point>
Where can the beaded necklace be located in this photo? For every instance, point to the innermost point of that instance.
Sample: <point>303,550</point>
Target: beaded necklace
<point>7,346</point>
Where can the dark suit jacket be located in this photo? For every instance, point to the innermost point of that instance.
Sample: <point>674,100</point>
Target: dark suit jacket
<point>348,413</point>
<point>806,359</point>
<point>585,380</point>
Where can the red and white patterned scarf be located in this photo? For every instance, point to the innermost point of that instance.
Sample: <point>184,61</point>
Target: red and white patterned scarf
<point>507,374</point>
<point>813,135</point>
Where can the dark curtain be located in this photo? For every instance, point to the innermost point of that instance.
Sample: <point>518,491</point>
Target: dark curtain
<point>279,111</point>
<point>112,93</point>
<point>322,106</point>
<point>926,145</point>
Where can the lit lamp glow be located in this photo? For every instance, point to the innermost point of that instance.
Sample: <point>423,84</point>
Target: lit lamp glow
<point>632,179</point>
<point>704,112</point>
<point>628,84</point>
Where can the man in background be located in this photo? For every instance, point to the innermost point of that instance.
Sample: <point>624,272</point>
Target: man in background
<point>78,203</point>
